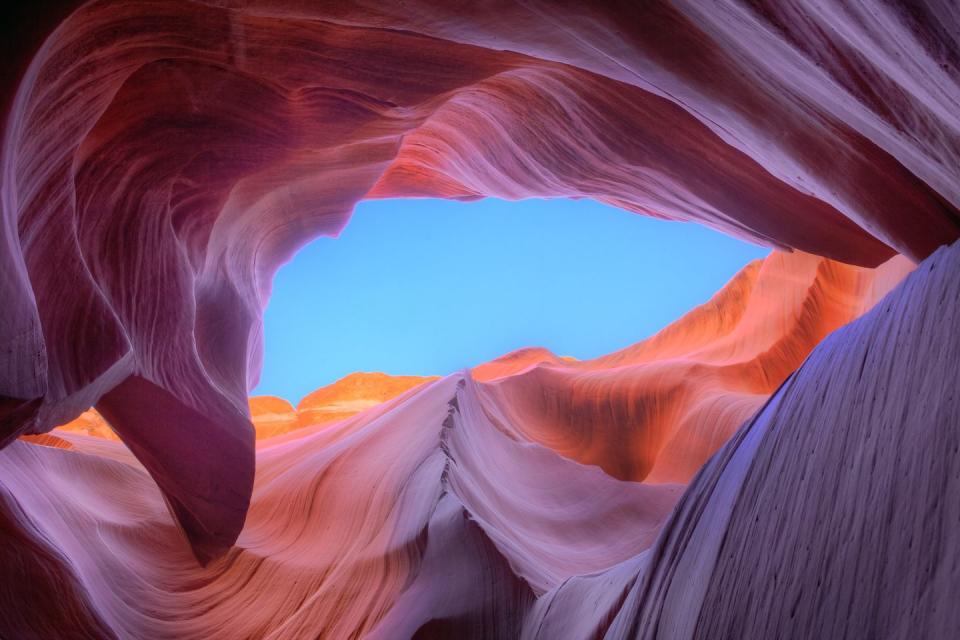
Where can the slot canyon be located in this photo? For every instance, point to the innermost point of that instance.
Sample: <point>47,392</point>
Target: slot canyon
<point>783,461</point>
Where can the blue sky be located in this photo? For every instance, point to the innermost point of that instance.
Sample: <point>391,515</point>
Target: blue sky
<point>431,286</point>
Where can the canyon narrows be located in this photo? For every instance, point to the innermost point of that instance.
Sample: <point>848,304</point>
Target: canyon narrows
<point>781,462</point>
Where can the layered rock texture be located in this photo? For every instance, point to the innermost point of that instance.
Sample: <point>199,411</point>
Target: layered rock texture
<point>657,410</point>
<point>478,515</point>
<point>160,160</point>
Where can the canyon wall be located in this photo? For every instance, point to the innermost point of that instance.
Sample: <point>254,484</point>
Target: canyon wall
<point>653,411</point>
<point>161,160</point>
<point>443,513</point>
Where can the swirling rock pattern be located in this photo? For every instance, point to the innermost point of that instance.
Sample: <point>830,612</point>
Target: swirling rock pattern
<point>434,515</point>
<point>161,159</point>
<point>657,410</point>
<point>831,512</point>
<point>393,498</point>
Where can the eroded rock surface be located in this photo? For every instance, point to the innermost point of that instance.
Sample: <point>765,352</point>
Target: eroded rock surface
<point>160,160</point>
<point>434,514</point>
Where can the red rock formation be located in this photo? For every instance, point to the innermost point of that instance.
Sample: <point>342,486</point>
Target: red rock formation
<point>831,512</point>
<point>273,416</point>
<point>160,160</point>
<point>89,423</point>
<point>468,530</point>
<point>354,393</point>
<point>657,410</point>
<point>386,498</point>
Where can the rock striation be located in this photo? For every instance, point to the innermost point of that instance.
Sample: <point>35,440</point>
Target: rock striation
<point>468,529</point>
<point>830,512</point>
<point>160,160</point>
<point>655,411</point>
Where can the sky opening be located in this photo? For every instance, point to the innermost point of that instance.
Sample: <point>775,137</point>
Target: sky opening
<point>428,287</point>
